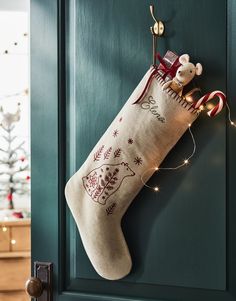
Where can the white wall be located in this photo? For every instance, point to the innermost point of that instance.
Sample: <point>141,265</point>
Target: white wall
<point>14,72</point>
<point>16,5</point>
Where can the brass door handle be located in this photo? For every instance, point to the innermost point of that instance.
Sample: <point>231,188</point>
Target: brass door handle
<point>34,287</point>
<point>40,286</point>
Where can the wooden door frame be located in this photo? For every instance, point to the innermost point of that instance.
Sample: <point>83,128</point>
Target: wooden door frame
<point>48,127</point>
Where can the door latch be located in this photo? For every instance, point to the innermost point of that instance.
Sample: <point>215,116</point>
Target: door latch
<point>40,285</point>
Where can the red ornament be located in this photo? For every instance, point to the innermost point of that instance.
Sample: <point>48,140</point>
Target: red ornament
<point>9,197</point>
<point>28,178</point>
<point>18,214</point>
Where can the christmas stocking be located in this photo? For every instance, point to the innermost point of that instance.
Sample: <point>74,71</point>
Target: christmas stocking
<point>139,138</point>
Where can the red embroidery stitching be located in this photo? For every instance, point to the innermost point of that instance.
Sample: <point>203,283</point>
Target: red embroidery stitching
<point>110,209</point>
<point>130,141</point>
<point>115,133</point>
<point>97,155</point>
<point>138,161</point>
<point>109,178</point>
<point>117,153</point>
<point>92,179</point>
<point>107,153</point>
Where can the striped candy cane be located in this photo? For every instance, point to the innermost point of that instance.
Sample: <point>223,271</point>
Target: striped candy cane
<point>214,111</point>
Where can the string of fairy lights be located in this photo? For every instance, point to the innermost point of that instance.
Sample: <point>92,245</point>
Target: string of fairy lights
<point>10,51</point>
<point>229,116</point>
<point>25,92</point>
<point>186,161</point>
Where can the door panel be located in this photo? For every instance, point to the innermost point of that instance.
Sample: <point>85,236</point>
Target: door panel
<point>178,236</point>
<point>179,239</point>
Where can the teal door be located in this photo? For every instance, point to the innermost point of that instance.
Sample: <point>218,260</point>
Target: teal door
<point>87,57</point>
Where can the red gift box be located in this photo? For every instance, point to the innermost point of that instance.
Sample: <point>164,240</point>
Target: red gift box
<point>168,65</point>
<point>166,69</point>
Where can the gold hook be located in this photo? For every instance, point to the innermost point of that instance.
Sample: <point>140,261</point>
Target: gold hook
<point>158,28</point>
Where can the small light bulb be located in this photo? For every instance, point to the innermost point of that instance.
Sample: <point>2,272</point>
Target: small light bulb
<point>13,241</point>
<point>189,125</point>
<point>210,106</point>
<point>156,168</point>
<point>232,123</point>
<point>4,229</point>
<point>189,99</point>
<point>201,107</point>
<point>186,161</point>
<point>156,188</point>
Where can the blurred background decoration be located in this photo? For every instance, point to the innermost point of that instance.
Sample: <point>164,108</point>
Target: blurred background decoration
<point>14,116</point>
<point>14,160</point>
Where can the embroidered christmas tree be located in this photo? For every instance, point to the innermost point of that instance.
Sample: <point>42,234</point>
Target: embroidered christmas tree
<point>14,166</point>
<point>105,180</point>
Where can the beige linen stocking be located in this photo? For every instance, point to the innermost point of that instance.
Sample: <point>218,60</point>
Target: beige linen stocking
<point>100,192</point>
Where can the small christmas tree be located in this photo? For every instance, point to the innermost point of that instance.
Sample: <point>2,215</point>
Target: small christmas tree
<point>14,163</point>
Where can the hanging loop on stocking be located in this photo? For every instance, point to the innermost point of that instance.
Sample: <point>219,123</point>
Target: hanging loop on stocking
<point>157,30</point>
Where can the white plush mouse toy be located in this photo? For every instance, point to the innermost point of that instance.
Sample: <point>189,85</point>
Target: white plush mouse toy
<point>184,74</point>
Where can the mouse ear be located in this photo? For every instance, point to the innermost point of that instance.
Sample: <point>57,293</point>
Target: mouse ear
<point>184,59</point>
<point>198,69</point>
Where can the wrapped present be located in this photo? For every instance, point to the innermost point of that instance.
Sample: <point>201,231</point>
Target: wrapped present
<point>168,65</point>
<point>17,214</point>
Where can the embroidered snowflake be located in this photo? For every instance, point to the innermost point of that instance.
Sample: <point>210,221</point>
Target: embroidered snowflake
<point>115,133</point>
<point>138,161</point>
<point>130,141</point>
<point>121,118</point>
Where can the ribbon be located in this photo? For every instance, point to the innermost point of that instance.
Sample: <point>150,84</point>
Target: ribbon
<point>163,67</point>
<point>167,70</point>
<point>151,76</point>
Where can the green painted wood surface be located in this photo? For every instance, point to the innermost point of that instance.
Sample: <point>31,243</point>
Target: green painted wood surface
<point>167,232</point>
<point>181,241</point>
